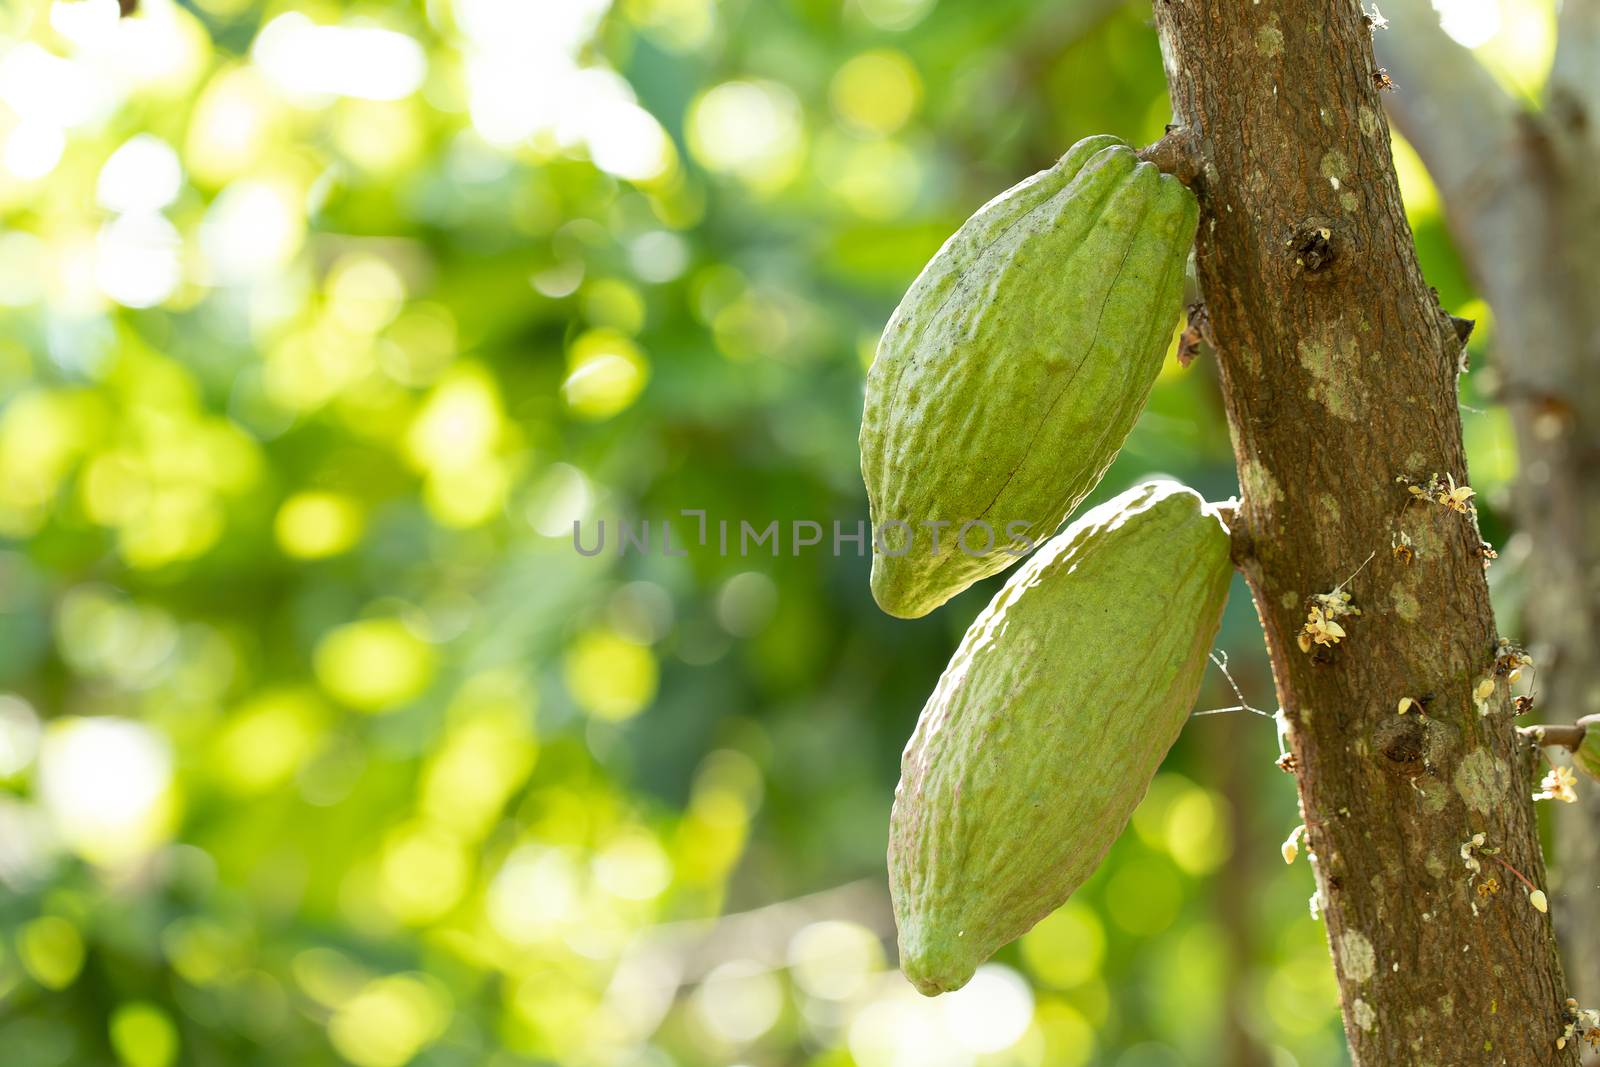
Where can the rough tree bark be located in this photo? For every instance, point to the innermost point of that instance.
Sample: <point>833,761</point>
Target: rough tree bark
<point>1339,375</point>
<point>1522,199</point>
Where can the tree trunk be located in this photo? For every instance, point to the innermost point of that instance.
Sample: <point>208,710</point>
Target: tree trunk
<point>1338,369</point>
<point>1523,203</point>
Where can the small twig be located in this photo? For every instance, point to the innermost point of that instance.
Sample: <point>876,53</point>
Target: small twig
<point>1357,571</point>
<point>1567,735</point>
<point>1520,876</point>
<point>1243,705</point>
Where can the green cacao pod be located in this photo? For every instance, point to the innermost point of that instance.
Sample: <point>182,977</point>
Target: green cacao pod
<point>1048,725</point>
<point>1014,367</point>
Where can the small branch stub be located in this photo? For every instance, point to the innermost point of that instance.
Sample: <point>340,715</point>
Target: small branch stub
<point>1175,154</point>
<point>1567,735</point>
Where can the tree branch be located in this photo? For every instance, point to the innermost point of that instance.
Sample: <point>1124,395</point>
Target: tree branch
<point>1574,83</point>
<point>1522,202</point>
<point>1567,735</point>
<point>1495,167</point>
<point>1472,136</point>
<point>1338,370</point>
<point>1449,107</point>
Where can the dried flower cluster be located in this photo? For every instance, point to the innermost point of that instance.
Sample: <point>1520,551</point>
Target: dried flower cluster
<point>1487,553</point>
<point>1447,493</point>
<point>1322,621</point>
<point>1583,1024</point>
<point>1469,850</point>
<point>1474,847</point>
<point>1510,660</point>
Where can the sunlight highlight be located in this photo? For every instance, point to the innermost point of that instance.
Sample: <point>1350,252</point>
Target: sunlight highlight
<point>1470,22</point>
<point>104,783</point>
<point>359,61</point>
<point>143,175</point>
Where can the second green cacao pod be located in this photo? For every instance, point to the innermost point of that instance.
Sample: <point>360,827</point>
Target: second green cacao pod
<point>1014,367</point>
<point>1048,725</point>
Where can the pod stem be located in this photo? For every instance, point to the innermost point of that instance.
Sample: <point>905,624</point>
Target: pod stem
<point>1175,154</point>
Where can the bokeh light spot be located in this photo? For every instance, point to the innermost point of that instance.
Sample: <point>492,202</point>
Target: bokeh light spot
<point>361,61</point>
<point>739,1001</point>
<point>316,524</point>
<point>608,676</point>
<point>1067,946</point>
<point>374,665</point>
<point>1144,895</point>
<point>52,950</point>
<point>19,734</point>
<point>143,175</point>
<point>992,1011</point>
<point>834,959</point>
<point>105,784</point>
<point>750,130</point>
<point>365,293</point>
<point>424,872</point>
<point>138,260</point>
<point>892,14</point>
<point>876,92</point>
<point>267,740</point>
<point>607,373</point>
<point>1197,831</point>
<point>633,867</point>
<point>143,1035</point>
<point>389,1021</point>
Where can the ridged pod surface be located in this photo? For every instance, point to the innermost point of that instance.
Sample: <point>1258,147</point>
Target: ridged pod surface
<point>1015,365</point>
<point>1048,725</point>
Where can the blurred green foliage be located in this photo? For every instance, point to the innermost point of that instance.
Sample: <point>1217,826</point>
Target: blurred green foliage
<point>320,744</point>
